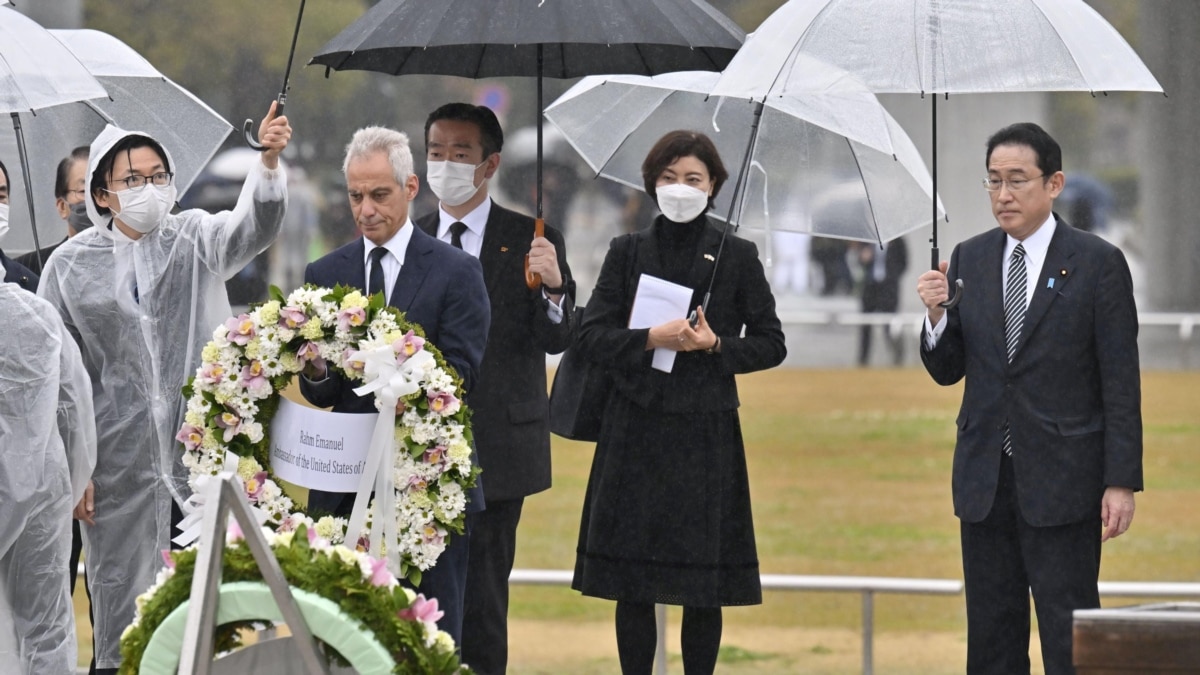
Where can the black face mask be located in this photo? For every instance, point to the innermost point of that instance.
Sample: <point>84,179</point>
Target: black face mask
<point>78,218</point>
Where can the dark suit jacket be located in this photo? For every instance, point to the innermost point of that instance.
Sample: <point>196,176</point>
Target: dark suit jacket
<point>741,297</point>
<point>30,259</point>
<point>16,273</point>
<point>440,288</point>
<point>510,408</point>
<point>1072,393</point>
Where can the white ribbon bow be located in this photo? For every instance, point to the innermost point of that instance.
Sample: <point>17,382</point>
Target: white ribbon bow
<point>193,508</point>
<point>389,381</point>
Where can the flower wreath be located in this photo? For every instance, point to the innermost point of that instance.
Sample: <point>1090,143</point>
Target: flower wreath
<point>361,587</point>
<point>253,357</point>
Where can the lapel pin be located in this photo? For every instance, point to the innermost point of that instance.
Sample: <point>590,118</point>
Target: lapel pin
<point>1050,282</point>
<point>504,249</point>
<point>1062,272</point>
<point>708,257</point>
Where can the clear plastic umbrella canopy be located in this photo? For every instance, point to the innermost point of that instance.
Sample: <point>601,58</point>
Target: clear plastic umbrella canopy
<point>827,158</point>
<point>948,47</point>
<point>139,98</point>
<point>36,70</point>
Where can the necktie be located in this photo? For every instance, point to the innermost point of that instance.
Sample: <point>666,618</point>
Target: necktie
<point>456,231</point>
<point>375,282</point>
<point>1014,313</point>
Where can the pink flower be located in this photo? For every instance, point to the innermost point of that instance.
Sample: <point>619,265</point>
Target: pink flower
<point>252,375</point>
<point>380,576</point>
<point>234,533</point>
<point>231,423</point>
<point>240,329</point>
<point>351,318</point>
<point>433,534</point>
<point>167,559</point>
<point>407,346</point>
<point>363,544</point>
<point>422,610</point>
<point>212,373</point>
<point>190,436</point>
<point>254,486</point>
<point>292,317</point>
<point>443,403</point>
<point>309,351</point>
<point>435,455</point>
<point>350,365</point>
<point>417,483</point>
<point>289,523</point>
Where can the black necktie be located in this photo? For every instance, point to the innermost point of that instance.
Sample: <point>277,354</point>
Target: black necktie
<point>1014,313</point>
<point>456,231</point>
<point>375,282</point>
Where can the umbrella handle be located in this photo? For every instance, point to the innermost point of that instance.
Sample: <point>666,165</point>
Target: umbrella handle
<point>956,298</point>
<point>248,126</point>
<point>533,280</point>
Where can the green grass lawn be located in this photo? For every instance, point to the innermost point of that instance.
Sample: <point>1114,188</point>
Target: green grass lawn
<point>850,475</point>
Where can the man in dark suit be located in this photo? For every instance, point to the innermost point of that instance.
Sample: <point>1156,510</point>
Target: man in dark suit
<point>463,144</point>
<point>1049,449</point>
<point>69,190</point>
<point>437,286</point>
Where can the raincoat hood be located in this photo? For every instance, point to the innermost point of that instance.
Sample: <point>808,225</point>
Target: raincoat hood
<point>106,141</point>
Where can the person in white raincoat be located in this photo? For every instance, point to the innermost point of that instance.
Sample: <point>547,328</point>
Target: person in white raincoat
<point>47,452</point>
<point>142,292</point>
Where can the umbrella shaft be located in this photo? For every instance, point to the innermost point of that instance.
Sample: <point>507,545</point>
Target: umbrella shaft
<point>24,161</point>
<point>287,73</point>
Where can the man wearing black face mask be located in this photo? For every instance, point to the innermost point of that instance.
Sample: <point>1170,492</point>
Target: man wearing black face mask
<point>68,199</point>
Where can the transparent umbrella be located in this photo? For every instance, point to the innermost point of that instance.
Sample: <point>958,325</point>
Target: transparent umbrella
<point>139,98</point>
<point>36,72</point>
<point>827,149</point>
<point>943,47</point>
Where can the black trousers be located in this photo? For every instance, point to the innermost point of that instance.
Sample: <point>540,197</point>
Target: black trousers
<point>485,613</point>
<point>1004,559</point>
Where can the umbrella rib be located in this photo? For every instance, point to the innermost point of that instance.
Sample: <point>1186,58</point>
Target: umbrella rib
<point>1069,51</point>
<point>867,190</point>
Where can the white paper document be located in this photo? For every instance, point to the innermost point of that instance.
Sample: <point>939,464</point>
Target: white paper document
<point>658,301</point>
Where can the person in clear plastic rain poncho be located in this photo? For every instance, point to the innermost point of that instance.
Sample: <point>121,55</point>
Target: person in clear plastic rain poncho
<point>142,292</point>
<point>47,451</point>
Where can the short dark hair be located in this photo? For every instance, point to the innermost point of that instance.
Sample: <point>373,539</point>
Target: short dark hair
<point>105,166</point>
<point>491,136</point>
<point>79,154</point>
<point>7,181</point>
<point>676,144</point>
<point>1049,154</point>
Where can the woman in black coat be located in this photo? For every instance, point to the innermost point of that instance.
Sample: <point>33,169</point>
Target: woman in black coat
<point>666,518</point>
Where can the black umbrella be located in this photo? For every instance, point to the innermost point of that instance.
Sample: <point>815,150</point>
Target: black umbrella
<point>531,38</point>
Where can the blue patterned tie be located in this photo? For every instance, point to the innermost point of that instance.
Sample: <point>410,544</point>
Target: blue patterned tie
<point>1014,313</point>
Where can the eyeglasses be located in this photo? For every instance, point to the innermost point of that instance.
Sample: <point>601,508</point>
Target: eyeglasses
<point>137,182</point>
<point>76,193</point>
<point>1013,184</point>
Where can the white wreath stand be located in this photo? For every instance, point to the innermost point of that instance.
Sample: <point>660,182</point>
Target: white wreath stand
<point>196,658</point>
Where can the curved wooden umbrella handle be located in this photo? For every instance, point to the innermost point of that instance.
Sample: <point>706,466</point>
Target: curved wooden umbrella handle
<point>533,280</point>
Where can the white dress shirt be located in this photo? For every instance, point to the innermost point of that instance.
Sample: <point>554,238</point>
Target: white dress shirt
<point>397,246</point>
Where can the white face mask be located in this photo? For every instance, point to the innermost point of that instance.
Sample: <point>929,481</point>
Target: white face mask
<point>681,203</point>
<point>3,221</point>
<point>453,182</point>
<point>143,209</point>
